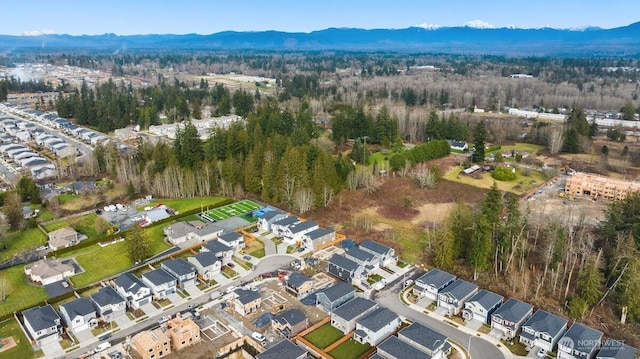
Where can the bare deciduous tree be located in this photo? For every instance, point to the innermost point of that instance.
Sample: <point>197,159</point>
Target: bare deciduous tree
<point>304,200</point>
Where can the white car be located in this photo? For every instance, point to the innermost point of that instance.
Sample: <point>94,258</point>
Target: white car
<point>408,282</point>
<point>259,337</point>
<point>231,289</point>
<point>541,353</point>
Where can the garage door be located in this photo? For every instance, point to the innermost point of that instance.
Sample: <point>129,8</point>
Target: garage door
<point>146,300</point>
<point>48,340</point>
<point>81,327</point>
<point>479,317</point>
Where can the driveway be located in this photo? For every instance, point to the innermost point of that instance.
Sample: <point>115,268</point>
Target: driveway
<point>176,299</point>
<point>123,321</point>
<point>52,350</point>
<point>84,336</point>
<point>150,310</point>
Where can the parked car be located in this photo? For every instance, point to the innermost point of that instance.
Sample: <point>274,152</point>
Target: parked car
<point>104,337</point>
<point>231,289</point>
<point>231,265</point>
<point>301,249</point>
<point>541,353</point>
<point>408,282</point>
<point>259,337</point>
<point>246,258</point>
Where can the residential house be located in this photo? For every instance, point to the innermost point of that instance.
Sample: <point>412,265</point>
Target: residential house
<point>160,282</point>
<point>386,254</point>
<point>234,240</point>
<point>345,269</point>
<point>278,227</point>
<point>431,283</point>
<point>293,233</point>
<point>334,296</point>
<point>183,332</point>
<point>299,285</point>
<point>318,238</point>
<point>152,344</point>
<point>579,342</point>
<point>264,222</point>
<point>47,271</point>
<point>543,330</point>
<point>223,252</point>
<point>109,303</point>
<point>376,326</point>
<point>366,259</point>
<point>182,270</point>
<point>79,315</point>
<point>42,324</point>
<point>614,349</point>
<point>394,348</point>
<point>206,233</point>
<point>245,302</point>
<point>426,339</point>
<point>156,215</point>
<point>481,306</point>
<point>63,237</point>
<point>344,317</point>
<point>132,290</point>
<point>207,265</point>
<point>510,316</point>
<point>289,323</point>
<point>453,296</point>
<point>284,349</point>
<point>178,232</point>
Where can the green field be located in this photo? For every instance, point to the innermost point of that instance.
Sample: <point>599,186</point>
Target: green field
<point>232,210</point>
<point>22,350</point>
<point>185,204</point>
<point>86,225</point>
<point>521,185</point>
<point>22,241</point>
<point>20,292</point>
<point>522,147</point>
<point>324,336</point>
<point>350,349</point>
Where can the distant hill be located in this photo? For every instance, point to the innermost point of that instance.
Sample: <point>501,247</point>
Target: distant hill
<point>618,42</point>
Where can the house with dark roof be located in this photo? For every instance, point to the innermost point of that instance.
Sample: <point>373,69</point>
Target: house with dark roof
<point>289,323</point>
<point>481,306</point>
<point>132,290</point>
<point>344,317</point>
<point>318,238</point>
<point>453,296</point>
<point>387,255</point>
<point>223,252</point>
<point>294,233</point>
<point>614,349</point>
<point>43,324</point>
<point>333,297</point>
<point>394,348</point>
<point>233,240</point>
<point>299,285</point>
<point>160,282</point>
<point>264,222</point>
<point>79,315</point>
<point>345,269</point>
<point>109,303</point>
<point>579,342</point>
<point>279,227</point>
<point>363,258</point>
<point>510,317</point>
<point>376,326</point>
<point>431,283</point>
<point>543,330</point>
<point>182,270</point>
<point>245,302</point>
<point>426,339</point>
<point>283,350</point>
<point>207,265</point>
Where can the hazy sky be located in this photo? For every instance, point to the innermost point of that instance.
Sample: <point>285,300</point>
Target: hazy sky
<point>126,17</point>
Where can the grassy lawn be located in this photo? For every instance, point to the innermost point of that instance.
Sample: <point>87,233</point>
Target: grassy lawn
<point>350,349</point>
<point>522,147</point>
<point>522,184</point>
<point>380,158</point>
<point>20,292</point>
<point>22,241</point>
<point>185,204</point>
<point>44,215</point>
<point>374,278</point>
<point>259,253</point>
<point>86,225</point>
<point>324,336</point>
<point>228,272</point>
<point>65,198</point>
<point>22,350</point>
<point>517,348</point>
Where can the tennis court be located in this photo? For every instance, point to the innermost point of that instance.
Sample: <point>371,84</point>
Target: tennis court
<point>233,209</point>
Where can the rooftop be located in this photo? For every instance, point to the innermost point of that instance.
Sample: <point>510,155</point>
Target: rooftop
<point>400,349</point>
<point>374,246</point>
<point>106,296</point>
<point>338,290</point>
<point>41,317</point>
<point>513,310</point>
<point>78,307</point>
<point>158,276</point>
<point>581,338</point>
<point>436,278</point>
<point>343,262</point>
<point>459,289</point>
<point>353,308</point>
<point>545,322</point>
<point>424,336</point>
<point>486,299</point>
<point>283,350</point>
<point>359,254</point>
<point>297,279</point>
<point>377,319</point>
<point>291,317</point>
<point>179,266</point>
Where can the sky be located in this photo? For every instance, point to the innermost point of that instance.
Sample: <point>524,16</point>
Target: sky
<point>129,17</point>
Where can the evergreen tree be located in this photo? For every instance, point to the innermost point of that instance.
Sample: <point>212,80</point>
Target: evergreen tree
<point>480,136</point>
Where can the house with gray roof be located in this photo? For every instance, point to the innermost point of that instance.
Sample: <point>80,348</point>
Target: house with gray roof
<point>376,326</point>
<point>481,306</point>
<point>333,297</point>
<point>160,282</point>
<point>543,330</point>
<point>279,227</point>
<point>223,252</point>
<point>289,323</point>
<point>79,315</point>
<point>579,342</point>
<point>614,349</point>
<point>431,283</point>
<point>293,233</point>
<point>345,269</point>
<point>299,285</point>
<point>155,215</point>
<point>234,240</point>
<point>510,317</point>
<point>453,296</point>
<point>318,238</point>
<point>245,302</point>
<point>426,339</point>
<point>182,270</point>
<point>387,255</point>
<point>132,290</point>
<point>394,348</point>
<point>43,324</point>
<point>344,317</point>
<point>363,258</point>
<point>207,264</point>
<point>283,350</point>
<point>109,303</point>
<point>264,222</point>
